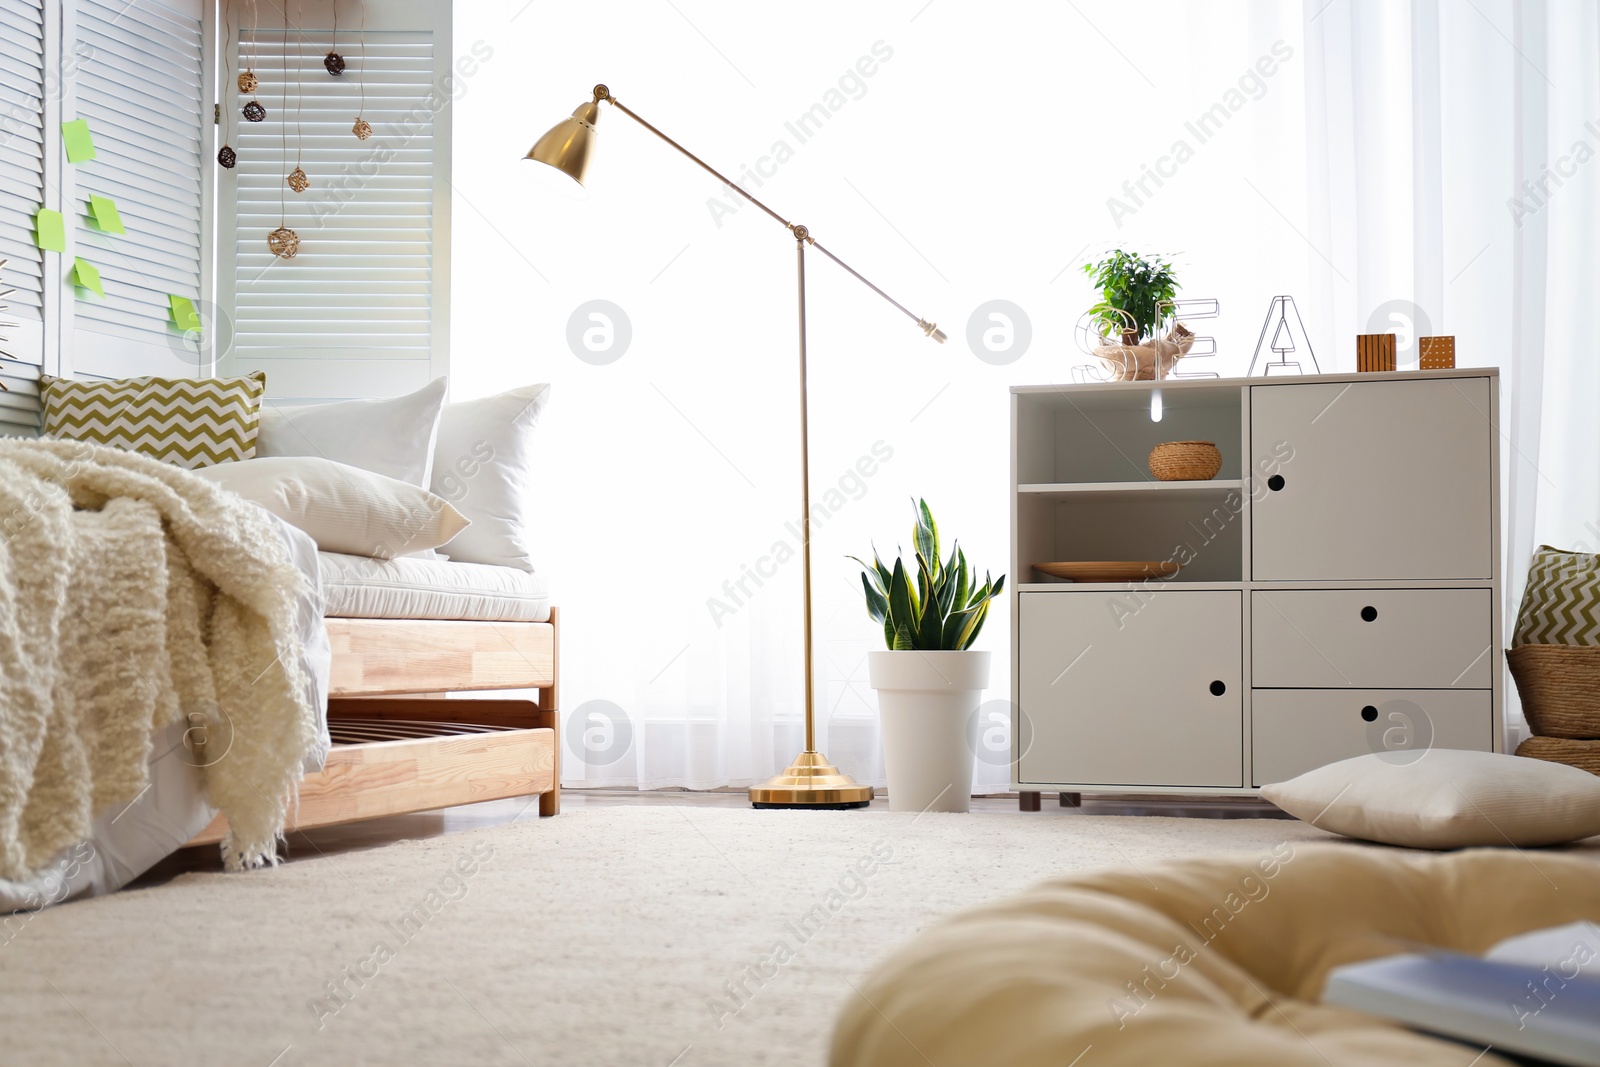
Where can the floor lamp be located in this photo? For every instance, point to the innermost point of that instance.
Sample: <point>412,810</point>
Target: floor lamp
<point>810,781</point>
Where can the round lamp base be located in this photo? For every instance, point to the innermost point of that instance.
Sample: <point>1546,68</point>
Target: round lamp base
<point>811,782</point>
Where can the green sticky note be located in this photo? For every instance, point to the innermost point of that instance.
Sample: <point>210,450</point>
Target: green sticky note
<point>106,215</point>
<point>52,230</point>
<point>183,313</point>
<point>88,277</point>
<point>75,135</point>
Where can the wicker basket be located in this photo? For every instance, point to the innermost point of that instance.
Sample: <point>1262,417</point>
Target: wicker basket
<point>1584,755</point>
<point>1185,461</point>
<point>1560,689</point>
<point>1147,362</point>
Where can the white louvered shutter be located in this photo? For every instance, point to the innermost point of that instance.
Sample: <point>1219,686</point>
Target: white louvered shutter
<point>359,311</point>
<point>140,79</point>
<point>22,193</point>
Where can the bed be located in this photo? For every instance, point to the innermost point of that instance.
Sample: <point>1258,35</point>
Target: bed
<point>408,638</point>
<point>432,677</point>
<point>397,736</point>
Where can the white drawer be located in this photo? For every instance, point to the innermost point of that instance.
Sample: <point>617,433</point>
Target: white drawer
<point>1297,730</point>
<point>1380,638</point>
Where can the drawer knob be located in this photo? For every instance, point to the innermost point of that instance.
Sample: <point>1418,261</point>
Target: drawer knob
<point>1275,482</point>
<point>1369,713</point>
<point>1217,688</point>
<point>1369,614</point>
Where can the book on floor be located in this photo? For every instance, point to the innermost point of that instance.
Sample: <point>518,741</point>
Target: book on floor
<point>1537,994</point>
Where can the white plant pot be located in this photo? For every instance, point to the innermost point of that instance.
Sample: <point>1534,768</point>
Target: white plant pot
<point>925,700</point>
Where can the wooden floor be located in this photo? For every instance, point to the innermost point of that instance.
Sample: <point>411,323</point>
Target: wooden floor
<point>374,833</point>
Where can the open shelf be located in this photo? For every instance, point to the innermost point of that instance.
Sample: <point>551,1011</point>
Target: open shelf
<point>1104,435</point>
<point>1084,491</point>
<point>1057,491</point>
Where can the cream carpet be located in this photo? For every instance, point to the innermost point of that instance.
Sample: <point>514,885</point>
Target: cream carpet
<point>668,935</point>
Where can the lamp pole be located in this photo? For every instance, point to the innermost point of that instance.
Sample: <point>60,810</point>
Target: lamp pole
<point>810,781</point>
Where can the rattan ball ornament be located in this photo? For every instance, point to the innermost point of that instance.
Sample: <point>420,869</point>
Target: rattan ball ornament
<point>334,62</point>
<point>248,82</point>
<point>227,157</point>
<point>298,181</point>
<point>254,112</point>
<point>361,129</point>
<point>283,242</point>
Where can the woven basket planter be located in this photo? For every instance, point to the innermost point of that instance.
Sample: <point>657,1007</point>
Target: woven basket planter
<point>1560,689</point>
<point>1584,755</point>
<point>1185,461</point>
<point>1147,362</point>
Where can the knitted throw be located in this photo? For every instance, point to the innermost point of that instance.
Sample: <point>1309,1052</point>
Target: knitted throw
<point>134,594</point>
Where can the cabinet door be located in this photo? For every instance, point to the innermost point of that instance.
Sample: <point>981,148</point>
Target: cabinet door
<point>1147,695</point>
<point>1381,479</point>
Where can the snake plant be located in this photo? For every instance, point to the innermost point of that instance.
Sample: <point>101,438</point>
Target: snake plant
<point>942,608</point>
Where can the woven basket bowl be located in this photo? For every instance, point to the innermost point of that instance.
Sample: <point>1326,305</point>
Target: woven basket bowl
<point>1185,461</point>
<point>1560,688</point>
<point>1584,755</point>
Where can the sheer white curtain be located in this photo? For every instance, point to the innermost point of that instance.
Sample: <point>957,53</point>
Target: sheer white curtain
<point>1350,155</point>
<point>1454,189</point>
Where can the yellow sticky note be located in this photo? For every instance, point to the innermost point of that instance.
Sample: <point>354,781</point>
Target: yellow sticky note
<point>106,215</point>
<point>51,230</point>
<point>75,135</point>
<point>183,313</point>
<point>88,277</point>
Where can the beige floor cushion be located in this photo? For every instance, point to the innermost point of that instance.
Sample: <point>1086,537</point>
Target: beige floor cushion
<point>1203,962</point>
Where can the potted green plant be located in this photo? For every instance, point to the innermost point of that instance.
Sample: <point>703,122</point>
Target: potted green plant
<point>1136,295</point>
<point>929,679</point>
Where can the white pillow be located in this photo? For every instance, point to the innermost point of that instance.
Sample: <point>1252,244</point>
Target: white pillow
<point>483,464</point>
<point>393,437</point>
<point>343,508</point>
<point>1447,798</point>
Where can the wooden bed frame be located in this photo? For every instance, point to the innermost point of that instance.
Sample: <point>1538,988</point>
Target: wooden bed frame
<point>399,746</point>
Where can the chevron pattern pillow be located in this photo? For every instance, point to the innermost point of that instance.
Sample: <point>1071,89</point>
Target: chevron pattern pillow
<point>192,422</point>
<point>1561,605</point>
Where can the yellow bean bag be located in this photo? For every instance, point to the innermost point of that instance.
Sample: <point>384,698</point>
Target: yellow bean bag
<point>1217,961</point>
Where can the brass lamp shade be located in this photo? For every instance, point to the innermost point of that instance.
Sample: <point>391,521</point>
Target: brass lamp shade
<point>566,147</point>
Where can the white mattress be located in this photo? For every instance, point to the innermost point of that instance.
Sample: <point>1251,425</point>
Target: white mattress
<point>356,587</point>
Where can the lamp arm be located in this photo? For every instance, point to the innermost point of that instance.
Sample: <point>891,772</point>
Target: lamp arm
<point>800,232</point>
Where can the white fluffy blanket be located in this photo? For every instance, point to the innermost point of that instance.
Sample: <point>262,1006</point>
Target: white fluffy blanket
<point>134,594</point>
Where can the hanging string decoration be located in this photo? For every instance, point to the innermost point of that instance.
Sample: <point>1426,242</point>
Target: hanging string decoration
<point>284,242</point>
<point>361,129</point>
<point>248,82</point>
<point>226,156</point>
<point>333,62</point>
<point>296,178</point>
